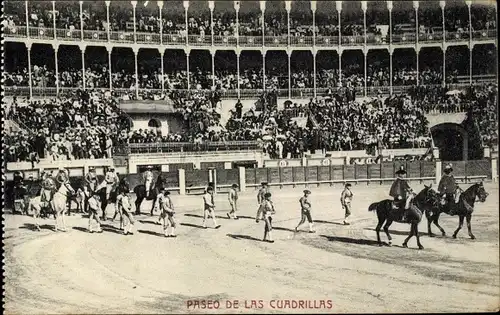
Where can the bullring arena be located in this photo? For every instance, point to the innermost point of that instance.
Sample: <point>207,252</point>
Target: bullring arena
<point>148,273</point>
<point>105,97</point>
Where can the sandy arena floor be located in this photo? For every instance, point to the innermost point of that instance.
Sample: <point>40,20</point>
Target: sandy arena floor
<point>79,272</point>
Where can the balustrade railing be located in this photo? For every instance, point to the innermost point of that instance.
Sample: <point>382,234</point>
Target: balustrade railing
<point>47,33</point>
<point>23,91</point>
<point>403,38</point>
<point>207,146</point>
<point>327,40</point>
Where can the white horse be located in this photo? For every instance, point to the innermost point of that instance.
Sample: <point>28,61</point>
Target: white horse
<point>58,203</point>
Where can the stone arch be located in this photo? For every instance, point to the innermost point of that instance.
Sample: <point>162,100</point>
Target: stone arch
<point>452,140</point>
<point>154,123</point>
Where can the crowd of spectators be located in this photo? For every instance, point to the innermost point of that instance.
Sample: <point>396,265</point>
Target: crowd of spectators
<point>336,123</point>
<point>483,107</point>
<point>97,76</point>
<point>79,126</point>
<point>88,124</point>
<point>148,20</point>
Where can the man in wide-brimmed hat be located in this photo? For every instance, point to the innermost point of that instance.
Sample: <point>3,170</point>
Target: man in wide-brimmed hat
<point>147,178</point>
<point>345,201</point>
<point>268,211</point>
<point>233,201</point>
<point>305,205</point>
<point>448,187</point>
<point>260,199</point>
<point>400,191</point>
<point>91,180</point>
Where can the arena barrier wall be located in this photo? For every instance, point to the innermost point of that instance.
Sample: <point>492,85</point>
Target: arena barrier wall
<point>194,181</point>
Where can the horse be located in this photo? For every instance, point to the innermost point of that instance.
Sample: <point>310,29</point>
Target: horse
<point>21,198</point>
<point>425,199</point>
<point>59,203</point>
<point>140,192</point>
<point>463,209</point>
<point>105,201</point>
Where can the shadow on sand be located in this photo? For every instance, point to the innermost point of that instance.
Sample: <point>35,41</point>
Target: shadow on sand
<point>328,222</point>
<point>151,233</point>
<point>244,237</point>
<point>148,222</point>
<point>399,232</point>
<point>209,217</point>
<point>31,226</point>
<point>192,225</point>
<point>348,240</point>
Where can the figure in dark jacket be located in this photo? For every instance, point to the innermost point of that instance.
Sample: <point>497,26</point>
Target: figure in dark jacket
<point>400,191</point>
<point>448,187</point>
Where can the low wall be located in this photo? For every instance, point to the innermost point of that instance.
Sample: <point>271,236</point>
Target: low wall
<point>186,181</point>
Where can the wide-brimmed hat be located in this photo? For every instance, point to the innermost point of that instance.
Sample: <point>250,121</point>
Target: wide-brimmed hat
<point>401,170</point>
<point>234,185</point>
<point>263,183</point>
<point>149,167</point>
<point>307,191</point>
<point>348,185</point>
<point>448,168</point>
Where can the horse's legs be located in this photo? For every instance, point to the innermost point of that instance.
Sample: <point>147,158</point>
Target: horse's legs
<point>430,219</point>
<point>104,205</point>
<point>138,202</point>
<point>36,214</point>
<point>68,205</point>
<point>386,230</point>
<point>468,217</point>
<point>460,223</point>
<point>152,207</point>
<point>412,232</point>
<point>56,227</point>
<point>379,225</point>
<point>436,219</point>
<point>417,235</point>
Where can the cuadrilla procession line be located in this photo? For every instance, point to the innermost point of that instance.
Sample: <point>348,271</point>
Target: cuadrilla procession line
<point>183,182</point>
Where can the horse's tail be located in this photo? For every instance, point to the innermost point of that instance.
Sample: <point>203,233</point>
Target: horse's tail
<point>373,206</point>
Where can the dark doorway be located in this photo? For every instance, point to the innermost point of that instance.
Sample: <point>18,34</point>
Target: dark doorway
<point>451,140</point>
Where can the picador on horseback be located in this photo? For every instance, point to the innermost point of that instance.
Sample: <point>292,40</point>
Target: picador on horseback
<point>62,176</point>
<point>91,181</point>
<point>401,192</point>
<point>110,181</point>
<point>47,191</point>
<point>147,178</point>
<point>18,184</point>
<point>448,189</point>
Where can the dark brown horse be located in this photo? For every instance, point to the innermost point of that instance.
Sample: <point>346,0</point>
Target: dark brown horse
<point>140,193</point>
<point>425,199</point>
<point>463,208</point>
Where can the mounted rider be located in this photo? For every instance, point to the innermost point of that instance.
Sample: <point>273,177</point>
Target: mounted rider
<point>147,178</point>
<point>48,188</point>
<point>123,185</point>
<point>401,192</point>
<point>110,181</point>
<point>448,188</point>
<point>91,180</point>
<point>62,176</point>
<point>18,184</point>
<point>18,178</point>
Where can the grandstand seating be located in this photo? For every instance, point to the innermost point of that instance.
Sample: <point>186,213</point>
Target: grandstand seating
<point>196,92</point>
